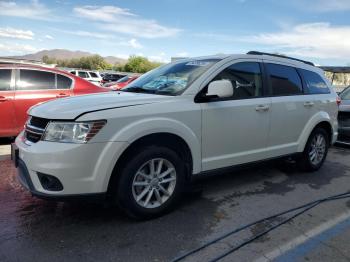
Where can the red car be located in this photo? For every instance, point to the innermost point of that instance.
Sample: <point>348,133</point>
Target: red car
<point>121,83</point>
<point>22,86</point>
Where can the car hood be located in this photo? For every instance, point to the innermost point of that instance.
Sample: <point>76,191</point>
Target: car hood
<point>73,107</point>
<point>344,106</point>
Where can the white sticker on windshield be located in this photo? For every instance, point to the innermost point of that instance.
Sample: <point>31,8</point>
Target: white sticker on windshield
<point>198,63</point>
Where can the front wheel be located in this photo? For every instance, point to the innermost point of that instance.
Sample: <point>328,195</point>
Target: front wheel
<point>315,151</point>
<point>150,182</point>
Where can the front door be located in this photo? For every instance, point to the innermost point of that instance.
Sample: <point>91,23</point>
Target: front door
<point>235,130</point>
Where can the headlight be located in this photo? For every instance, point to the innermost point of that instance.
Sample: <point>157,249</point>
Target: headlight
<point>72,132</point>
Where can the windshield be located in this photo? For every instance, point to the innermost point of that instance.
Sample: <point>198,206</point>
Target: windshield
<point>345,95</point>
<point>124,79</point>
<point>171,79</point>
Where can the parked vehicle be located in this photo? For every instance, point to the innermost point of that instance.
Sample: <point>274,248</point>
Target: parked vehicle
<point>22,86</point>
<point>121,83</point>
<point>91,76</point>
<point>344,117</point>
<point>141,146</point>
<point>111,78</point>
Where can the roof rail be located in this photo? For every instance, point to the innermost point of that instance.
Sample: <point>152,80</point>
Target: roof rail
<point>281,56</point>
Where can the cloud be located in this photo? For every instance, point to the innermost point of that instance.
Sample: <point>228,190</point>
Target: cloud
<point>116,19</point>
<point>17,48</point>
<point>317,40</point>
<point>9,32</point>
<point>88,34</point>
<point>33,10</point>
<point>134,44</point>
<point>49,37</point>
<point>324,5</point>
<point>161,57</point>
<point>182,54</point>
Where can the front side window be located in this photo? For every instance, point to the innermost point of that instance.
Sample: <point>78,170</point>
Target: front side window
<point>314,82</point>
<point>5,79</point>
<point>171,79</point>
<point>284,80</point>
<point>245,78</point>
<point>345,95</point>
<point>82,74</point>
<point>63,82</point>
<point>35,80</point>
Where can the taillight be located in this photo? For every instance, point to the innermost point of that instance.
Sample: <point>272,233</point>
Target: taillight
<point>338,100</point>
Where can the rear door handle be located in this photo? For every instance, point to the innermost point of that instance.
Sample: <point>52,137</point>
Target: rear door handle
<point>262,108</point>
<point>62,95</point>
<point>309,104</point>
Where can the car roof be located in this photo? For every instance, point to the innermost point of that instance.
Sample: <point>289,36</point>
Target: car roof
<point>266,57</point>
<point>26,66</point>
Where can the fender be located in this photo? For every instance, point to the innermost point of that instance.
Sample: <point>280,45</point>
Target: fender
<point>148,126</point>
<point>309,127</point>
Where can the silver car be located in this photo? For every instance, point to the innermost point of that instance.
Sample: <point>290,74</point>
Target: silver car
<point>344,117</point>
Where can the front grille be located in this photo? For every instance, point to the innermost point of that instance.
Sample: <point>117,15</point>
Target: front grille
<point>38,122</point>
<point>35,128</point>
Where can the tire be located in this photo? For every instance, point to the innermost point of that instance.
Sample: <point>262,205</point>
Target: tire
<point>135,178</point>
<point>315,151</point>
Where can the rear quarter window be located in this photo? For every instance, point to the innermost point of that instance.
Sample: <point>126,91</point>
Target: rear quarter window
<point>63,82</point>
<point>314,82</point>
<point>92,74</point>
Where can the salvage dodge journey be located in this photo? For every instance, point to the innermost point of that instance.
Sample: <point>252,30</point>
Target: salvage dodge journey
<point>141,146</point>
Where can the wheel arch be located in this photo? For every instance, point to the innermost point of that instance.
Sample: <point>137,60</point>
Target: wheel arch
<point>319,120</point>
<point>167,139</point>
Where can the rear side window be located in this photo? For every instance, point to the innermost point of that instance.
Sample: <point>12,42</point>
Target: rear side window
<point>35,80</point>
<point>314,82</point>
<point>63,82</point>
<point>92,74</point>
<point>83,74</point>
<point>5,79</point>
<point>245,78</point>
<point>284,80</point>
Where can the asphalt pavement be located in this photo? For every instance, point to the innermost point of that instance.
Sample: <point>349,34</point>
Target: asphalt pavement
<point>36,230</point>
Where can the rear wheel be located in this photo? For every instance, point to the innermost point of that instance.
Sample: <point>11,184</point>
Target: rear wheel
<point>315,151</point>
<point>150,182</point>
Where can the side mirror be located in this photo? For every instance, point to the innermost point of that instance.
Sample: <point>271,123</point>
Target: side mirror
<point>220,88</point>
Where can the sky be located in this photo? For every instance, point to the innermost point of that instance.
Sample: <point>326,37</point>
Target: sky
<point>315,30</point>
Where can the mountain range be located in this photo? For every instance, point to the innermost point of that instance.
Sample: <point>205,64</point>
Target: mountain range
<point>67,54</point>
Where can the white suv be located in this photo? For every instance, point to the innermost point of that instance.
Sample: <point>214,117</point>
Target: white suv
<point>141,146</point>
<point>91,76</point>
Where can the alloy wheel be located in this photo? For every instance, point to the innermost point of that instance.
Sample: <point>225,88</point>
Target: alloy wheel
<point>317,149</point>
<point>154,183</point>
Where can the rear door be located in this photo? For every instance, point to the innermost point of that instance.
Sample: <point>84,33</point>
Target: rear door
<point>289,110</point>
<point>7,116</point>
<point>33,87</point>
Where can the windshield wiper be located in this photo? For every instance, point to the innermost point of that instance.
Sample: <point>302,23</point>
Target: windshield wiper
<point>137,89</point>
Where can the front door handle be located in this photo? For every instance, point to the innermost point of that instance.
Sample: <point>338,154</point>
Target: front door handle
<point>309,104</point>
<point>4,99</point>
<point>62,95</point>
<point>262,108</point>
